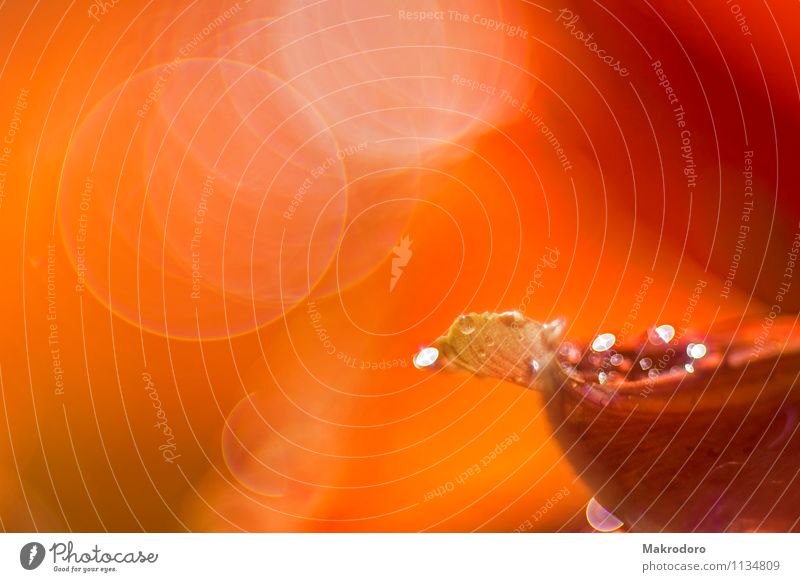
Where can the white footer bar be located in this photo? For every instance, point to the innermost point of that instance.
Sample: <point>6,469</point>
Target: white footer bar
<point>406,557</point>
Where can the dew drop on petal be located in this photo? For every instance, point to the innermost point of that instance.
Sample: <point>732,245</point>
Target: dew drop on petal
<point>426,357</point>
<point>653,373</point>
<point>535,366</point>
<point>689,368</point>
<point>512,316</point>
<point>570,352</point>
<point>602,377</point>
<point>603,342</point>
<point>466,325</point>
<point>665,332</point>
<point>646,363</point>
<point>617,359</point>
<point>696,351</point>
<point>600,518</point>
<point>556,327</point>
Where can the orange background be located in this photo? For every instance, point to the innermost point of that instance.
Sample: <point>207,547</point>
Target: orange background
<point>318,445</point>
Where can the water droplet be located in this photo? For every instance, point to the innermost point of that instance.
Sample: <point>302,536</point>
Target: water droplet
<point>603,342</point>
<point>653,373</point>
<point>617,359</point>
<point>689,368</point>
<point>600,518</point>
<point>511,317</point>
<point>645,363</point>
<point>466,325</point>
<point>556,327</point>
<point>570,352</point>
<point>696,351</point>
<point>426,357</point>
<point>535,366</point>
<point>666,332</point>
<point>602,377</point>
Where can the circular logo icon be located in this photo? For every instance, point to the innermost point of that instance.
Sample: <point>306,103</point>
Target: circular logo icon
<point>31,555</point>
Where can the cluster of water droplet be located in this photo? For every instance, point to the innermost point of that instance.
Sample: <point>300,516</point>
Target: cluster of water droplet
<point>602,364</point>
<point>609,361</point>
